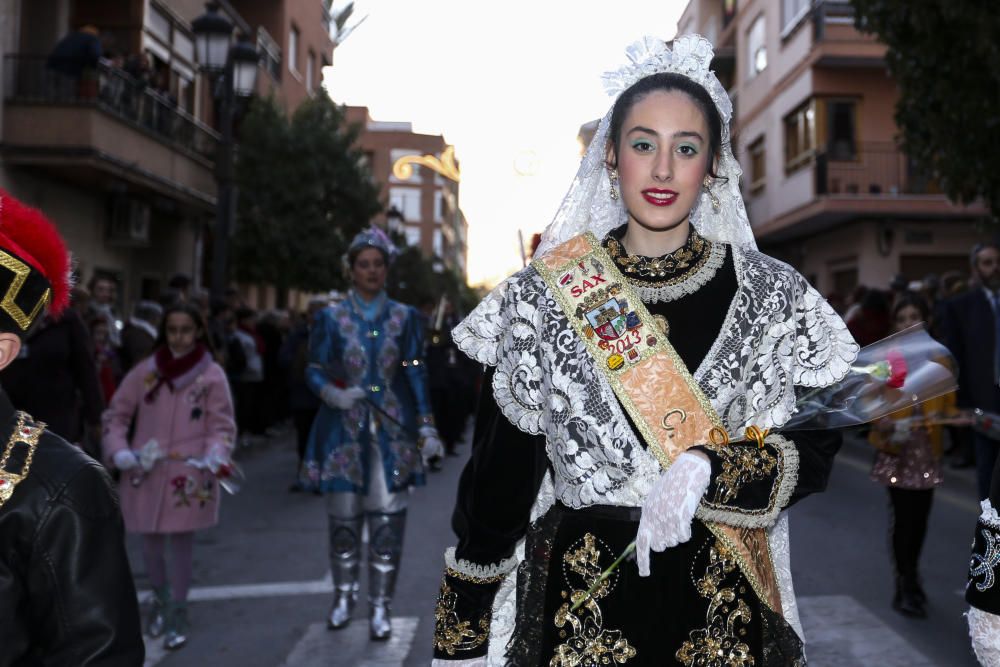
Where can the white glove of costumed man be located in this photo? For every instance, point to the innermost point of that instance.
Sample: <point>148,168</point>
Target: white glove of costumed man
<point>341,399</point>
<point>430,443</point>
<point>984,629</point>
<point>125,459</point>
<point>669,508</point>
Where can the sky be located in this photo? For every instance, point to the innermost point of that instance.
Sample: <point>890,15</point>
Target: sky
<point>508,84</point>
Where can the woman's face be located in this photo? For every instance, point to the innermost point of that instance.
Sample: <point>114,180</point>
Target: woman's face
<point>99,333</point>
<point>906,317</point>
<point>369,271</point>
<point>182,333</point>
<point>663,156</point>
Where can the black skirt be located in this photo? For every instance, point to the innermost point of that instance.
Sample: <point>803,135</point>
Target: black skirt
<point>695,608</point>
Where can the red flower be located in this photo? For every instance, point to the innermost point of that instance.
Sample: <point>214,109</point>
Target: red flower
<point>339,384</point>
<point>897,369</point>
<point>179,481</point>
<point>224,472</point>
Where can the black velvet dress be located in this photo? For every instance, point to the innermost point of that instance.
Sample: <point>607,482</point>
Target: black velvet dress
<point>696,608</point>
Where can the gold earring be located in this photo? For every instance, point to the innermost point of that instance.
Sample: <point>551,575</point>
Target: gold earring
<point>613,176</point>
<point>712,197</point>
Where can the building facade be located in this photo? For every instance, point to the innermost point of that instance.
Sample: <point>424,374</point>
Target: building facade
<point>826,185</point>
<point>122,155</point>
<point>424,207</point>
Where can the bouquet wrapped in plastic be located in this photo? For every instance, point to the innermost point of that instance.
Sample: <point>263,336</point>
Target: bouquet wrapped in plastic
<point>900,371</point>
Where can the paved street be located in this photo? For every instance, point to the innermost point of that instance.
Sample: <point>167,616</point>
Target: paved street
<point>262,584</point>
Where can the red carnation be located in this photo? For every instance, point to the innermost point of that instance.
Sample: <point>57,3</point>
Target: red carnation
<point>27,233</point>
<point>897,368</point>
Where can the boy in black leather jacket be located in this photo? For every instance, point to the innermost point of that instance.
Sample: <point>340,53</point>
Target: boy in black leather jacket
<point>66,590</point>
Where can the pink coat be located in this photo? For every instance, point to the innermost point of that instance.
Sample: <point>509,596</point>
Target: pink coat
<point>189,421</point>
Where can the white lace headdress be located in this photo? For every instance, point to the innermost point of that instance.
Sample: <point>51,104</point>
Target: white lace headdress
<point>588,205</point>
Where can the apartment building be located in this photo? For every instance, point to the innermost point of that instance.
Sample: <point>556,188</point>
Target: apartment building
<point>424,207</point>
<point>826,185</point>
<point>123,157</point>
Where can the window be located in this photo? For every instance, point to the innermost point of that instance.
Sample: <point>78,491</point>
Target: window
<point>309,72</point>
<point>792,11</point>
<point>841,141</point>
<point>438,243</point>
<point>407,202</point>
<point>758,165</point>
<point>412,235</point>
<point>293,50</point>
<point>270,51</point>
<point>800,136</point>
<point>756,48</point>
<point>438,206</point>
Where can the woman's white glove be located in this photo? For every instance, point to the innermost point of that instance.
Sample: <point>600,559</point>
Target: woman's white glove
<point>125,459</point>
<point>669,508</point>
<point>984,629</point>
<point>430,443</point>
<point>341,399</point>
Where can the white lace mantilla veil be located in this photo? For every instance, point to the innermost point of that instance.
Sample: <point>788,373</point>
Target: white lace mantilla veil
<point>588,206</point>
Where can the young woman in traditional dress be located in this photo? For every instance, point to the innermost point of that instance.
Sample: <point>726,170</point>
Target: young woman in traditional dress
<point>641,369</point>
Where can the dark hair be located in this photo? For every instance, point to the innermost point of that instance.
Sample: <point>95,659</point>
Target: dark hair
<point>192,311</point>
<point>978,248</point>
<point>668,81</point>
<point>352,254</point>
<point>912,299</point>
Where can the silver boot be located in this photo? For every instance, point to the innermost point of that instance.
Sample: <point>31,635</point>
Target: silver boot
<point>156,617</point>
<point>176,626</point>
<point>384,551</point>
<point>345,562</point>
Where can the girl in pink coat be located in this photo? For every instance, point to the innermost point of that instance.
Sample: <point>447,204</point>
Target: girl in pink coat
<point>179,402</point>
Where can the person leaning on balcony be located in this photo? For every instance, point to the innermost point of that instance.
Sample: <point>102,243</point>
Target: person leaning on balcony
<point>66,591</point>
<point>971,327</point>
<point>73,59</point>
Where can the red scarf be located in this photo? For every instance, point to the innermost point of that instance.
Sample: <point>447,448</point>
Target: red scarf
<point>169,367</point>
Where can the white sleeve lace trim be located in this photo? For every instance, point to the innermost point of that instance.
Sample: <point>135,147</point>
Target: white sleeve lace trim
<point>476,573</point>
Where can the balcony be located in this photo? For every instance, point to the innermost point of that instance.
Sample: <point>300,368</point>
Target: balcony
<point>876,170</point>
<point>875,180</point>
<point>105,127</point>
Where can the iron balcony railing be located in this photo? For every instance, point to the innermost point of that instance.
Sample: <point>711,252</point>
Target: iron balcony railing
<point>30,80</point>
<point>875,169</point>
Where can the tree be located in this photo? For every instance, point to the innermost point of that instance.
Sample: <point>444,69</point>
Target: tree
<point>945,58</point>
<point>303,194</point>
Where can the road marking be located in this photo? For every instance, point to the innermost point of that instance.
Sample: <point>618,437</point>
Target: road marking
<point>154,651</point>
<point>949,497</point>
<point>320,647</point>
<point>246,591</point>
<point>841,632</point>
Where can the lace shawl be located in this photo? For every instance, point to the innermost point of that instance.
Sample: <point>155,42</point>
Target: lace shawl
<point>779,334</point>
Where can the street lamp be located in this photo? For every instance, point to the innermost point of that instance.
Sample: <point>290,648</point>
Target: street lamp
<point>235,67</point>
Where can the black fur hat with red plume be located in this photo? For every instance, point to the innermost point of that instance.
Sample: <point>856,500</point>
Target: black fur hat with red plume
<point>34,267</point>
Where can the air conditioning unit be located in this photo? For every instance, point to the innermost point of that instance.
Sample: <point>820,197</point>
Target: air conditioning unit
<point>129,221</point>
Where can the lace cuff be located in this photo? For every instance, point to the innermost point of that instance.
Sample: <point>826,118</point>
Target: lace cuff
<point>476,573</point>
<point>462,618</point>
<point>750,485</point>
<point>982,590</point>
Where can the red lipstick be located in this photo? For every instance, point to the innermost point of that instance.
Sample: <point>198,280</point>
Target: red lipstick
<point>659,197</point>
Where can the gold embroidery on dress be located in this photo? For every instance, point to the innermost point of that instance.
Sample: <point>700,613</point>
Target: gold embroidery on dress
<point>674,267</point>
<point>452,634</point>
<point>740,466</point>
<point>590,643</point>
<point>718,644</point>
